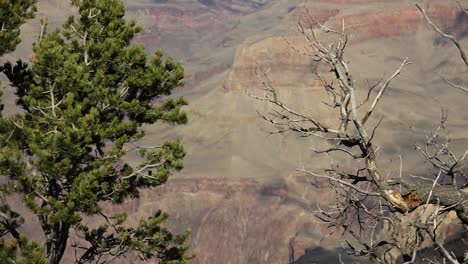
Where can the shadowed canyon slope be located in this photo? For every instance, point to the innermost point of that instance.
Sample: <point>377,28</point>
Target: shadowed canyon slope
<point>238,192</point>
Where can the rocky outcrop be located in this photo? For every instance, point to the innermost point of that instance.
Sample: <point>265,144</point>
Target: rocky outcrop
<point>195,79</point>
<point>238,221</point>
<point>274,55</point>
<point>171,19</point>
<point>182,26</point>
<point>284,58</point>
<point>404,20</point>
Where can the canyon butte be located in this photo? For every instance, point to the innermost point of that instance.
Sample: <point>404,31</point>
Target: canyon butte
<point>239,191</point>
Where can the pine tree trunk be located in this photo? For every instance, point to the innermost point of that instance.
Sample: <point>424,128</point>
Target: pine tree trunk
<point>57,243</point>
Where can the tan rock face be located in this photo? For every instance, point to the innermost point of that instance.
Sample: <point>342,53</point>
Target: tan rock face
<point>405,20</point>
<point>274,55</point>
<point>173,20</point>
<point>237,221</point>
<point>283,57</point>
<point>180,25</point>
<point>195,79</point>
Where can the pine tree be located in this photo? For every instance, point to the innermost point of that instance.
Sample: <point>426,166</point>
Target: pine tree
<point>12,15</point>
<point>85,99</point>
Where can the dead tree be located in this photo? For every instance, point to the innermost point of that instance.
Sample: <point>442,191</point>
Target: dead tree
<point>364,196</point>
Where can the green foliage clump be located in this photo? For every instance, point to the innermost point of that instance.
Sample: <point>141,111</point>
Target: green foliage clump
<point>12,15</point>
<point>85,99</point>
<point>30,252</point>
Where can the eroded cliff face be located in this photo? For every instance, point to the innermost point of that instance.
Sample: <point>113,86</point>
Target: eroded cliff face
<point>189,26</point>
<point>247,222</point>
<point>382,35</point>
<point>405,20</point>
<point>283,56</point>
<point>240,221</point>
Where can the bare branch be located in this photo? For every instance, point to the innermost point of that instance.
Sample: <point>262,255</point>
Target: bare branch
<point>382,89</point>
<point>432,189</point>
<point>144,168</point>
<point>445,35</point>
<point>339,181</point>
<point>337,149</point>
<point>452,83</point>
<point>463,9</point>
